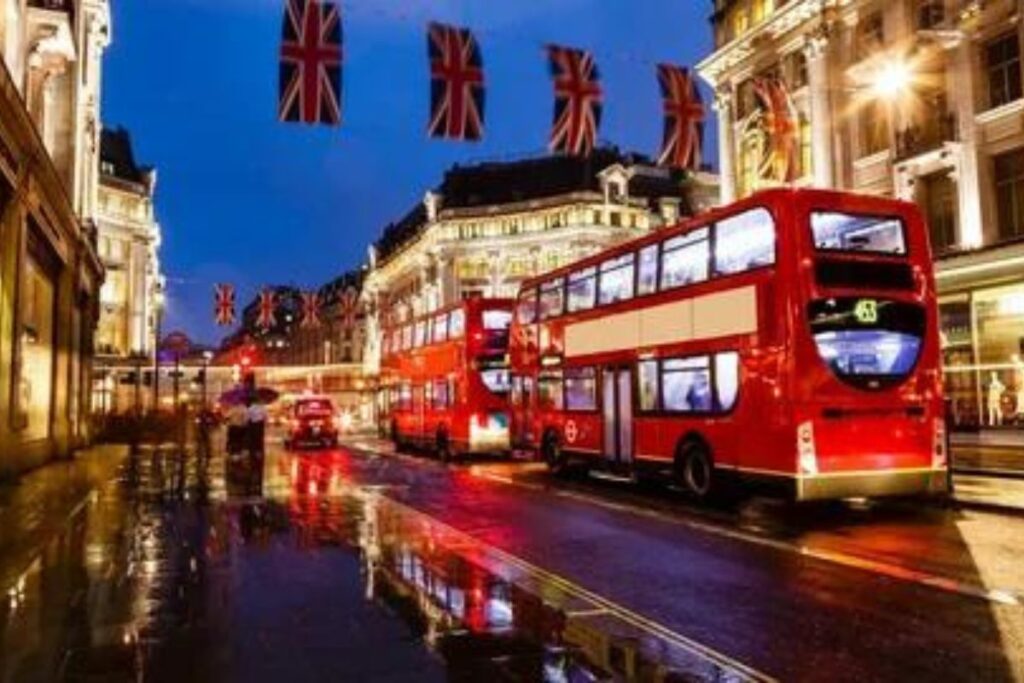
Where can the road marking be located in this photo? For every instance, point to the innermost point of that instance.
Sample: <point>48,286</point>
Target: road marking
<point>603,604</point>
<point>886,569</point>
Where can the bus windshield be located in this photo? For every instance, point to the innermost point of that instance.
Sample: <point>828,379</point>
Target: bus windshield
<point>836,231</point>
<point>868,343</point>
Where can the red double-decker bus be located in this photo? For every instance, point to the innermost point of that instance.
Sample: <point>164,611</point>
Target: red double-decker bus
<point>445,379</point>
<point>787,341</point>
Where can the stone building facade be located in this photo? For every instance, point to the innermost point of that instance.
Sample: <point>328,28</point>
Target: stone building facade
<point>129,243</point>
<point>50,274</point>
<point>917,99</point>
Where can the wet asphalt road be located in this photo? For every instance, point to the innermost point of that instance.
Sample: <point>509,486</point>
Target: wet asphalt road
<point>361,565</point>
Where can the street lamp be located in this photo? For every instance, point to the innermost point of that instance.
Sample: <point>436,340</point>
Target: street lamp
<point>159,301</point>
<point>892,80</point>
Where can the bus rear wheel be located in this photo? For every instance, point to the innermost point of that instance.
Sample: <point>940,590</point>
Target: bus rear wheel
<point>554,456</point>
<point>695,471</point>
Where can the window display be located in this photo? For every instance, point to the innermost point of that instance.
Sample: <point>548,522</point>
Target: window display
<point>35,382</point>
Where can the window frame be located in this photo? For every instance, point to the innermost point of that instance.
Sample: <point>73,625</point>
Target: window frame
<point>595,394</point>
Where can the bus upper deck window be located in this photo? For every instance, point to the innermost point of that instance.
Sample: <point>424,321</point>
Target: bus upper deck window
<point>684,259</point>
<point>552,299</point>
<point>456,324</point>
<point>744,242</point>
<point>835,231</point>
<point>647,276</point>
<point>582,289</point>
<point>526,309</point>
<point>616,283</point>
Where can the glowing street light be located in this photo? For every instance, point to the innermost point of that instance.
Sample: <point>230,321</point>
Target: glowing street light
<point>893,79</point>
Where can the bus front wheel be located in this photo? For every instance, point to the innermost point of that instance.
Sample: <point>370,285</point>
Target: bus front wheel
<point>554,456</point>
<point>695,470</point>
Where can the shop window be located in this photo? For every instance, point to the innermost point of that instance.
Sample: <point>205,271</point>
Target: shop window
<point>1002,66</point>
<point>806,153</point>
<point>684,259</point>
<point>795,68</point>
<point>36,346</point>
<point>552,299</point>
<point>647,380</point>
<point>744,241</point>
<point>582,289</point>
<point>647,277</point>
<point>616,283</point>
<point>407,337</point>
<point>580,389</point>
<point>930,13</point>
<point>420,337</point>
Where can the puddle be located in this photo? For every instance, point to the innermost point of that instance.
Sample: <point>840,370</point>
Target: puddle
<point>181,571</point>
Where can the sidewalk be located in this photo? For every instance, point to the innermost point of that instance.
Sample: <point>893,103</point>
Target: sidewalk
<point>37,507</point>
<point>1002,493</point>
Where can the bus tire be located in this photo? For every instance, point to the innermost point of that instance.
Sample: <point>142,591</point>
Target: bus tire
<point>443,446</point>
<point>695,469</point>
<point>554,456</point>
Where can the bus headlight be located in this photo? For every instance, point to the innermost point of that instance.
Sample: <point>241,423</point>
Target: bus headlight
<point>807,457</point>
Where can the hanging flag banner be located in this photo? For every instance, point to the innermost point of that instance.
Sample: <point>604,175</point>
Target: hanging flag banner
<point>456,83</point>
<point>578,100</point>
<point>266,316</point>
<point>224,304</point>
<point>310,70</point>
<point>349,309</point>
<point>773,130</point>
<point>684,118</point>
<point>310,309</point>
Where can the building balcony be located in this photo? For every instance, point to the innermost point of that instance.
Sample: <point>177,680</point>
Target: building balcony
<point>926,136</point>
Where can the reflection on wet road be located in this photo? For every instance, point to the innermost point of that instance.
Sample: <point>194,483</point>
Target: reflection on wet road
<point>185,569</point>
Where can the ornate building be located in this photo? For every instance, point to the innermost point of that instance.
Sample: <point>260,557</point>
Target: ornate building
<point>918,99</point>
<point>50,273</point>
<point>129,240</point>
<point>489,226</point>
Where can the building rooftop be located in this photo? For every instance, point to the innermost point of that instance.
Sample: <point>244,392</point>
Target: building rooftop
<point>117,159</point>
<point>507,182</point>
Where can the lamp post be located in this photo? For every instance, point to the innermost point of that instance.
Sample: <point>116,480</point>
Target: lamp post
<point>159,300</point>
<point>207,357</point>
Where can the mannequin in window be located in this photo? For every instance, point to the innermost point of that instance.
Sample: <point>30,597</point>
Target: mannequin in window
<point>995,395</point>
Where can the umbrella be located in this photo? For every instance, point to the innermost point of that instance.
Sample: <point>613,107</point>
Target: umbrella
<point>242,395</point>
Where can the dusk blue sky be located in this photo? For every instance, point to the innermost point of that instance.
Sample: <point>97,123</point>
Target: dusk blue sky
<point>244,199</point>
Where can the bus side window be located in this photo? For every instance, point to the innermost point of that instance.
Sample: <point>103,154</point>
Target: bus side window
<point>552,299</point>
<point>616,282</point>
<point>582,289</point>
<point>744,241</point>
<point>549,390</point>
<point>686,384</point>
<point>456,324</point>
<point>647,378</point>
<point>647,271</point>
<point>526,309</point>
<point>516,396</point>
<point>441,328</point>
<point>684,259</point>
<point>727,380</point>
<point>581,389</point>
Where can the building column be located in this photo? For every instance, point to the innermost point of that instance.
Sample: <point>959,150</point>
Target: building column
<point>820,94</point>
<point>726,145</point>
<point>960,87</point>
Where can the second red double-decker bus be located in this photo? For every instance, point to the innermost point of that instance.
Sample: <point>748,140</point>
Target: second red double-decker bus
<point>445,379</point>
<point>789,340</point>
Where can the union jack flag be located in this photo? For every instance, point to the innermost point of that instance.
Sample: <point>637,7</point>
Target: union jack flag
<point>266,316</point>
<point>780,125</point>
<point>684,118</point>
<point>310,76</point>
<point>349,308</point>
<point>578,100</point>
<point>224,304</point>
<point>310,309</point>
<point>456,83</point>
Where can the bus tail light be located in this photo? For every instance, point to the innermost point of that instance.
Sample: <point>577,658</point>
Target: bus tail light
<point>806,455</point>
<point>940,457</point>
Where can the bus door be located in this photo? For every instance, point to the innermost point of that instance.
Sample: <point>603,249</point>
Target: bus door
<point>527,406</point>
<point>617,414</point>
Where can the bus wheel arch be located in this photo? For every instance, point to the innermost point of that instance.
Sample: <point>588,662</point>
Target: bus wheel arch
<point>694,467</point>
